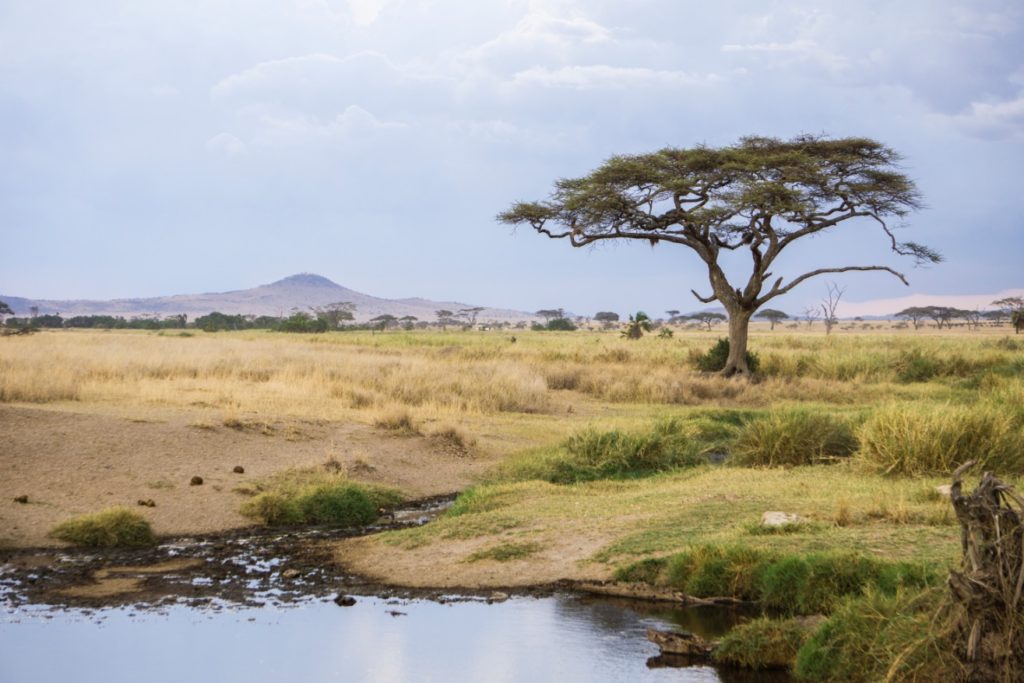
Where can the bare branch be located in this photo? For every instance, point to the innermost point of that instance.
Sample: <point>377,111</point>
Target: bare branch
<point>704,299</point>
<point>776,290</point>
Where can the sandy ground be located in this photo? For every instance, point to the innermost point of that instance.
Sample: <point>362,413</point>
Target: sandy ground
<point>70,463</point>
<point>445,565</point>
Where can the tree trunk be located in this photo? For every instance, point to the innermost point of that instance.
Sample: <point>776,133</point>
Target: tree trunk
<point>736,365</point>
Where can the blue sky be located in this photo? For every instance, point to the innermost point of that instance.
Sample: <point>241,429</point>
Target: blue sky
<point>154,148</point>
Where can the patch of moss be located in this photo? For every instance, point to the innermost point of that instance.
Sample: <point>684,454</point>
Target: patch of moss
<point>110,528</point>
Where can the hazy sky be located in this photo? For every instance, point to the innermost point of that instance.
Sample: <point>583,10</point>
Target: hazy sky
<point>155,148</point>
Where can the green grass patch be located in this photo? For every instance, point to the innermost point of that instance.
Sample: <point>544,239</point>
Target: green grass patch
<point>315,496</point>
<point>765,643</point>
<point>880,636</point>
<point>912,440</point>
<point>594,454</point>
<point>793,437</point>
<point>506,552</point>
<point>811,583</point>
<point>110,528</point>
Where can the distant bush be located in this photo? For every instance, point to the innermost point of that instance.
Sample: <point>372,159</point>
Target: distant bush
<point>921,441</point>
<point>715,358</point>
<point>113,527</point>
<point>793,437</point>
<point>561,325</point>
<point>398,420</point>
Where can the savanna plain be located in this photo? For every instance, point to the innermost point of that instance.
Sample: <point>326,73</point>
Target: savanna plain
<point>576,455</point>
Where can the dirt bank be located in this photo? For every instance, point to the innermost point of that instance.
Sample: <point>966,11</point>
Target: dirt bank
<point>69,463</point>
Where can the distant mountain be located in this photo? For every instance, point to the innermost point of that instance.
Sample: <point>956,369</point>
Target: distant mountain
<point>296,292</point>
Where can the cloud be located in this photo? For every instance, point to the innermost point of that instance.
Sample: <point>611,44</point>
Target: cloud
<point>365,12</point>
<point>354,124</point>
<point>226,143</point>
<point>784,54</point>
<point>604,77</point>
<point>1000,119</point>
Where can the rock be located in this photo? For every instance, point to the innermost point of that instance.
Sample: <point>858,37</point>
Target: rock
<point>497,596</point>
<point>680,643</point>
<point>396,613</point>
<point>21,499</point>
<point>238,469</point>
<point>147,503</point>
<point>196,481</point>
<point>290,573</point>
<point>775,518</point>
<point>944,490</point>
<point>344,601</point>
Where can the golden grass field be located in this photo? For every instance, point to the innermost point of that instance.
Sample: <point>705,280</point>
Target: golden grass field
<point>512,404</point>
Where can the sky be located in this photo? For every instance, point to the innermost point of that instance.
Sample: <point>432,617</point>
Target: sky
<point>155,148</point>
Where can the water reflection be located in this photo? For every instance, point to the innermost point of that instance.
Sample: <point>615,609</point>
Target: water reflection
<point>560,638</point>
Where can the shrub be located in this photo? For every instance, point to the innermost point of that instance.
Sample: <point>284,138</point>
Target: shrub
<point>505,552</point>
<point>714,359</point>
<point>765,643</point>
<point>795,437</point>
<point>592,454</point>
<point>316,497</point>
<point>561,325</point>
<point>921,441</point>
<point>400,421</point>
<point>113,527</point>
<point>796,584</point>
<point>880,636</point>
<point>914,366</point>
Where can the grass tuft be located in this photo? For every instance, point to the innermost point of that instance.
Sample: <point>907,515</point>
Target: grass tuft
<point>505,552</point>
<point>911,440</point>
<point>765,643</point>
<point>110,528</point>
<point>316,496</point>
<point>793,437</point>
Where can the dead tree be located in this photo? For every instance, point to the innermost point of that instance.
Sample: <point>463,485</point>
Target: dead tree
<point>988,621</point>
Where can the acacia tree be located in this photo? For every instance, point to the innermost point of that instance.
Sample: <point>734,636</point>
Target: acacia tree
<point>758,196</point>
<point>773,316</point>
<point>708,318</point>
<point>637,325</point>
<point>915,313</point>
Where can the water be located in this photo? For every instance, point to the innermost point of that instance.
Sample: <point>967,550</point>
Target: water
<point>261,607</point>
<point>558,638</point>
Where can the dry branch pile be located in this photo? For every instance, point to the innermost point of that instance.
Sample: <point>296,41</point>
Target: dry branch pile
<point>986,592</point>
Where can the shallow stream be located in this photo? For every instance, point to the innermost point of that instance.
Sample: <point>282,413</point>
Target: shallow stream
<point>264,607</point>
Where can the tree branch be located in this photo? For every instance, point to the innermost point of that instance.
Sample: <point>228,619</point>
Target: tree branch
<point>777,290</point>
<point>704,299</point>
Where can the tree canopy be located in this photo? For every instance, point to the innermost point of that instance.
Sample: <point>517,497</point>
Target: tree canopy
<point>758,196</point>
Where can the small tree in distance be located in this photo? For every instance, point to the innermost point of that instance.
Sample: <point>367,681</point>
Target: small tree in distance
<point>637,325</point>
<point>606,318</point>
<point>756,197</point>
<point>829,305</point>
<point>916,314</point>
<point>773,316</point>
<point>708,318</point>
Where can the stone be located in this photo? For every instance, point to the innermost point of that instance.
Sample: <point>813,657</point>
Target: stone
<point>290,573</point>
<point>680,643</point>
<point>238,469</point>
<point>147,503</point>
<point>497,596</point>
<point>21,499</point>
<point>775,518</point>
<point>196,481</point>
<point>344,601</point>
<point>944,490</point>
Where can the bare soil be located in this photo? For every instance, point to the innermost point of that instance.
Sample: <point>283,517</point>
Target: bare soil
<point>70,463</point>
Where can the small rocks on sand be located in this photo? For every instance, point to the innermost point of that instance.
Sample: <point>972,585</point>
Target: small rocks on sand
<point>21,499</point>
<point>497,596</point>
<point>344,601</point>
<point>238,469</point>
<point>196,481</point>
<point>147,502</point>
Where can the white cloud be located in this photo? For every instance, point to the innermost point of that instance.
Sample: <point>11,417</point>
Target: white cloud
<point>802,50</point>
<point>604,77</point>
<point>355,124</point>
<point>365,12</point>
<point>226,143</point>
<point>996,119</point>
